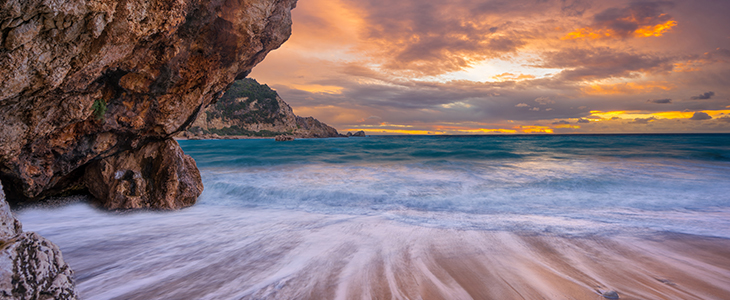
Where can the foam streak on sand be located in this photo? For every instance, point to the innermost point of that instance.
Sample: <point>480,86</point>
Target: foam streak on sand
<point>273,254</point>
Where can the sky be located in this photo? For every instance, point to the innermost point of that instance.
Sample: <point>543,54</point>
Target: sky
<point>507,67</point>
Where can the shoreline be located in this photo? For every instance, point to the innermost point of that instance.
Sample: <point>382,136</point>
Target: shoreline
<point>227,137</point>
<point>289,254</point>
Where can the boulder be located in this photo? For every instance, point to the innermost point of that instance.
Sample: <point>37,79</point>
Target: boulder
<point>31,267</point>
<point>359,133</point>
<point>157,176</point>
<point>283,138</point>
<point>314,128</point>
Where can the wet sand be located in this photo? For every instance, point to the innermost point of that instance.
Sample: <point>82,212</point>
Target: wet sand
<point>275,255</point>
<point>515,266</point>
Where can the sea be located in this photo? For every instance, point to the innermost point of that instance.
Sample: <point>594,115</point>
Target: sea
<point>292,220</point>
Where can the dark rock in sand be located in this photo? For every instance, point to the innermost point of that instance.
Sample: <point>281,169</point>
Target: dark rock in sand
<point>31,267</point>
<point>610,295</point>
<point>158,175</point>
<point>89,80</point>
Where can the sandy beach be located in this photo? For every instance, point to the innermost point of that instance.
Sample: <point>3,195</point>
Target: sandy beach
<point>489,265</point>
<point>271,254</point>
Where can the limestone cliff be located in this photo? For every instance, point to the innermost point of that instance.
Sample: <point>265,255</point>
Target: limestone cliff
<point>252,109</point>
<point>88,80</point>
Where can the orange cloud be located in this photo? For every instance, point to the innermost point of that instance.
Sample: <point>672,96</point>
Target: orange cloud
<point>387,128</point>
<point>318,89</point>
<point>469,130</point>
<point>588,33</point>
<point>627,88</point>
<point>392,131</point>
<point>656,30</point>
<point>657,115</point>
<point>512,77</point>
<point>534,129</point>
<point>567,126</point>
<point>690,66</point>
<point>645,31</point>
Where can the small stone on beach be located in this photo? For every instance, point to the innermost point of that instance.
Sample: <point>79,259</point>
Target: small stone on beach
<point>610,295</point>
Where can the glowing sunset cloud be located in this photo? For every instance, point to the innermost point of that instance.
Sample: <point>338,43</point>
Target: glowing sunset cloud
<point>626,88</point>
<point>656,30</point>
<point>507,67</point>
<point>657,115</point>
<point>645,31</point>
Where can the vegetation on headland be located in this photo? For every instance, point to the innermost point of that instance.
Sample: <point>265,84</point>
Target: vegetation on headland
<point>248,101</point>
<point>252,109</point>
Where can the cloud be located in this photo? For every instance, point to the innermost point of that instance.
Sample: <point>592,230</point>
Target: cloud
<point>643,120</point>
<point>509,76</point>
<point>535,109</point>
<point>704,96</point>
<point>638,19</point>
<point>581,120</point>
<point>574,8</point>
<point>600,63</point>
<point>700,116</point>
<point>544,101</point>
<point>432,37</point>
<point>561,122</point>
<point>660,101</point>
<point>725,119</point>
<point>409,62</point>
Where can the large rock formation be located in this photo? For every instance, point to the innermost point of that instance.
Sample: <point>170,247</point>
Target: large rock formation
<point>87,80</point>
<point>31,267</point>
<point>252,109</point>
<point>158,175</point>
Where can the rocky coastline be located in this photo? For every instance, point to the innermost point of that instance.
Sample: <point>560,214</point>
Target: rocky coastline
<point>92,94</point>
<point>251,109</point>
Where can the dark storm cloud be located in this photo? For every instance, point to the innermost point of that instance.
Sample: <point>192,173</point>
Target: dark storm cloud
<point>625,21</point>
<point>660,101</point>
<point>705,96</point>
<point>600,63</point>
<point>699,116</point>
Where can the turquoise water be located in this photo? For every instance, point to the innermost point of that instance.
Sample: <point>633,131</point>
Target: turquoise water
<point>279,220</point>
<point>568,184</point>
